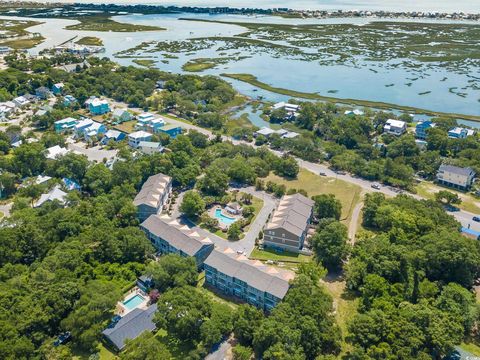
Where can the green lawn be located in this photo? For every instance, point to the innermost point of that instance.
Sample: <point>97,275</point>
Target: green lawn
<point>281,256</point>
<point>471,348</point>
<point>347,193</point>
<point>127,126</point>
<point>428,190</point>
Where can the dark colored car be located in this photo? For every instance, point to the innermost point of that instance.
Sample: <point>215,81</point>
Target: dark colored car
<point>62,338</point>
<point>476,218</point>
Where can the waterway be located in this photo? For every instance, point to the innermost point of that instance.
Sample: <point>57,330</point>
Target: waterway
<point>367,80</point>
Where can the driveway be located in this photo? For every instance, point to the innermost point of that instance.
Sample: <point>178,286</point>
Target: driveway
<point>247,243</point>
<point>95,153</point>
<point>5,209</point>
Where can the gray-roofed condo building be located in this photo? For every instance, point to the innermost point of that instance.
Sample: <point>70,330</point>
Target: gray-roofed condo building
<point>131,326</point>
<point>455,176</point>
<point>153,195</point>
<point>250,281</point>
<point>168,236</point>
<point>289,224</point>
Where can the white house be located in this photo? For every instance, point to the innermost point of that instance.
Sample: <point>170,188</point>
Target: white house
<point>56,152</point>
<point>54,194</point>
<point>21,101</point>
<point>136,137</point>
<point>395,127</point>
<point>150,147</point>
<point>289,108</point>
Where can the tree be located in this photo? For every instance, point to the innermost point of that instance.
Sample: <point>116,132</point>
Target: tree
<point>447,197</point>
<point>145,347</point>
<point>330,245</point>
<point>193,204</point>
<point>241,352</point>
<point>287,166</point>
<point>171,271</point>
<point>217,326</point>
<point>98,179</point>
<point>327,206</point>
<point>246,320</point>
<point>234,231</point>
<point>215,181</point>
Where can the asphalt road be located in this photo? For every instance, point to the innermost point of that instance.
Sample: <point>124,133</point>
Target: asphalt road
<point>462,216</point>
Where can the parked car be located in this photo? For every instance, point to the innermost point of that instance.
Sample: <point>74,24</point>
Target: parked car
<point>476,218</point>
<point>321,173</point>
<point>376,186</point>
<point>62,338</point>
<point>341,172</point>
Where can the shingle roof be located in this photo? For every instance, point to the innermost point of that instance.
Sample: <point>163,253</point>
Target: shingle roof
<point>152,190</point>
<point>456,170</point>
<point>131,326</point>
<point>255,274</point>
<point>183,239</point>
<point>293,214</point>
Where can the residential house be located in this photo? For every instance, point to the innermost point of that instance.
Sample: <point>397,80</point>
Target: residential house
<point>53,195</point>
<point>169,237</point>
<point>21,101</point>
<point>287,229</point>
<point>153,195</point>
<point>395,127</point>
<point>264,131</point>
<point>421,129</point>
<point>5,50</point>
<point>55,152</point>
<point>136,137</point>
<point>267,132</point>
<point>113,135</point>
<point>456,177</point>
<point>290,135</point>
<point>144,119</point>
<point>144,283</point>
<point>251,281</point>
<point>171,130</point>
<point>460,133</point>
<point>6,109</point>
<point>71,184</point>
<point>121,115</point>
<point>150,147</point>
<point>75,67</point>
<point>69,100</point>
<point>43,93</point>
<point>95,132</point>
<point>290,109</point>
<point>66,124</point>
<point>57,88</point>
<point>148,122</point>
<point>129,327</point>
<point>98,106</point>
<point>352,113</point>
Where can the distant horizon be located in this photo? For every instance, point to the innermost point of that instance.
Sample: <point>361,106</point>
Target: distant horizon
<point>373,5</point>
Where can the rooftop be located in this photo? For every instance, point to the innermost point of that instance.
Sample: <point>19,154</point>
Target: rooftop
<point>180,237</point>
<point>293,214</point>
<point>139,134</point>
<point>152,190</point>
<point>254,273</point>
<point>456,170</point>
<point>131,326</point>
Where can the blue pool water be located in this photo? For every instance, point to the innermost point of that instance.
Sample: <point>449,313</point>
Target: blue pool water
<point>133,302</point>
<point>224,219</point>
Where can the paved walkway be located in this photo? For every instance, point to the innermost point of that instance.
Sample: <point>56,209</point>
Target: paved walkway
<point>353,226</point>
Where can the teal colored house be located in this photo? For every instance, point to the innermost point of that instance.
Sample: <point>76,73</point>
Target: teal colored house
<point>57,88</point>
<point>98,107</point>
<point>171,130</point>
<point>69,100</point>
<point>421,129</point>
<point>65,124</point>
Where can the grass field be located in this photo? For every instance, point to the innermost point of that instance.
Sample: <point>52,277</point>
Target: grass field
<point>471,348</point>
<point>347,193</point>
<point>469,203</point>
<point>127,126</point>
<point>90,41</point>
<point>18,44</point>
<point>104,23</point>
<point>282,256</point>
<point>251,79</point>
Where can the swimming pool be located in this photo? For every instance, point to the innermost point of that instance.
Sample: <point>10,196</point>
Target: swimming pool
<point>134,302</point>
<point>224,219</point>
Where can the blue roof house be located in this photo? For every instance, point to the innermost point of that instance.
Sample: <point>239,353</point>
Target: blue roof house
<point>57,88</point>
<point>421,129</point>
<point>71,184</point>
<point>65,124</point>
<point>98,107</point>
<point>470,233</point>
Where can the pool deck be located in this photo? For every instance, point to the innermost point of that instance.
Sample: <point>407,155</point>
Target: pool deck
<point>221,224</point>
<point>123,310</point>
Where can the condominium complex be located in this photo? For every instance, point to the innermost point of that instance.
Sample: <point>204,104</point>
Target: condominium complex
<point>153,196</point>
<point>250,281</point>
<point>168,237</point>
<point>456,177</point>
<point>289,224</point>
